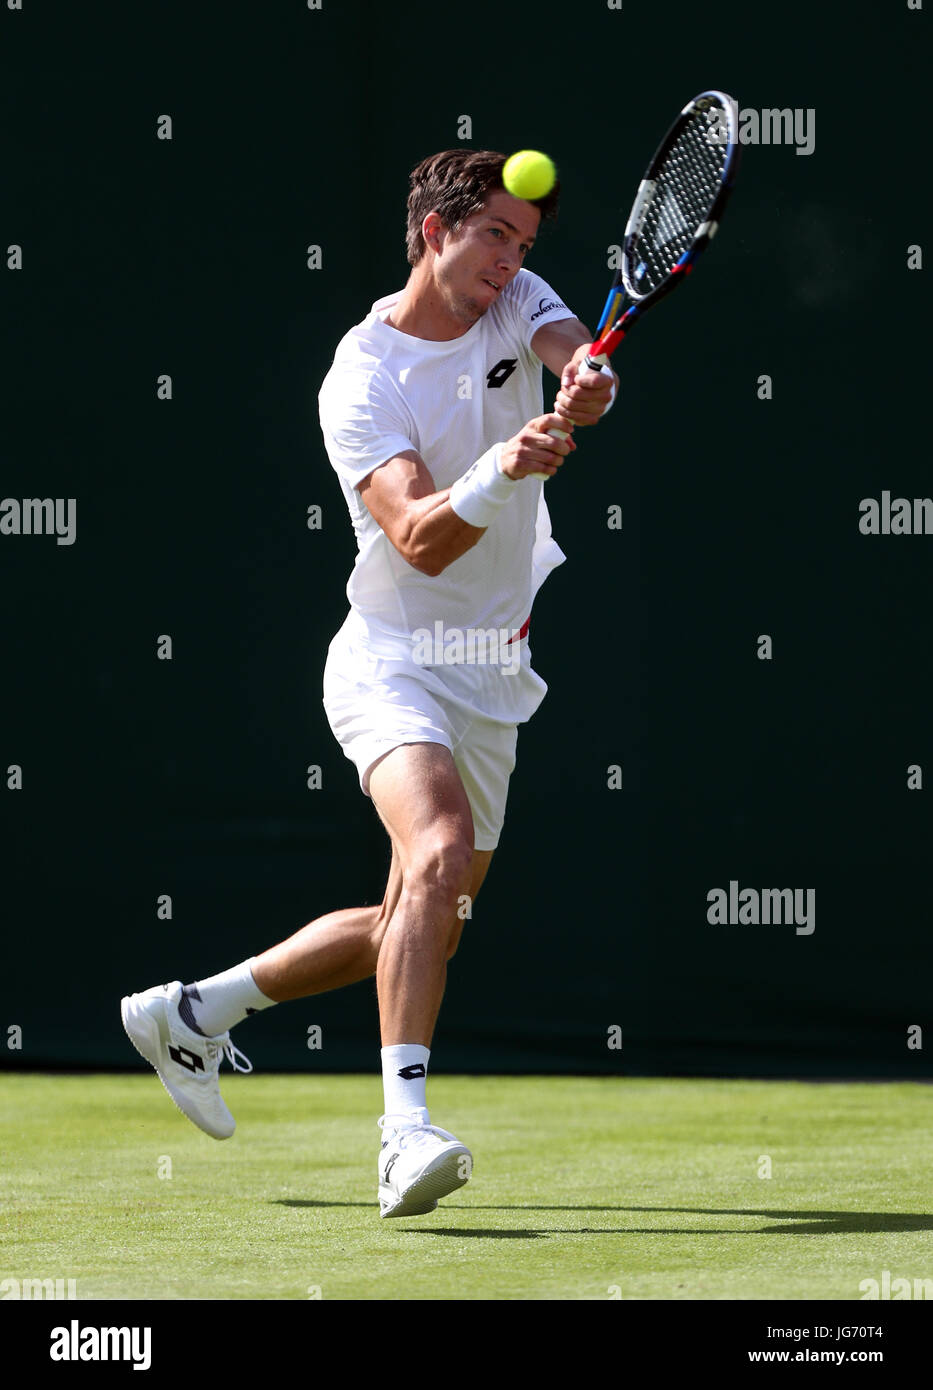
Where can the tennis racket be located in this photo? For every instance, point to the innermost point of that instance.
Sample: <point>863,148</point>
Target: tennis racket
<point>675,215</point>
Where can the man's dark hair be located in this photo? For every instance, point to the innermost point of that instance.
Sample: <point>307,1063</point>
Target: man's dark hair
<point>456,184</point>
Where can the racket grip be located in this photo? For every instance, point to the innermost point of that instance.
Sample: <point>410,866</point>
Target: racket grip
<point>592,364</point>
<point>557,434</point>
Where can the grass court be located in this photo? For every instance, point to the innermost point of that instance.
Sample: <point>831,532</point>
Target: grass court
<point>583,1188</point>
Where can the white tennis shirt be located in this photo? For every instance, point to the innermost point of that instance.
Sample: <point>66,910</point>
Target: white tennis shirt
<point>451,401</point>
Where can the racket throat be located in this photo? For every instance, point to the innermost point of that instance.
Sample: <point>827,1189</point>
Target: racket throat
<point>611,340</point>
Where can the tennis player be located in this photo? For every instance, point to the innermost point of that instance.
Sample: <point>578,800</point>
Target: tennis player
<point>432,415</point>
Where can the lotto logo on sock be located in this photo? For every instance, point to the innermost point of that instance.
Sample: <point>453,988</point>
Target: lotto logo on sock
<point>413,1072</point>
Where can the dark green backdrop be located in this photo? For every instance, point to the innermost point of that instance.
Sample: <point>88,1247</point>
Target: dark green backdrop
<point>740,517</point>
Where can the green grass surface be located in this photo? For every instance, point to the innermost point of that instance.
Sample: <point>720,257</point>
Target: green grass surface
<point>581,1187</point>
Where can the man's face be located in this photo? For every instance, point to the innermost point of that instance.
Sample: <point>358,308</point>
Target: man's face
<point>476,263</point>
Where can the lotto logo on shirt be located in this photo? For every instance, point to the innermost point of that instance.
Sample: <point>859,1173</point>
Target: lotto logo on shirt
<point>500,373</point>
<point>472,646</point>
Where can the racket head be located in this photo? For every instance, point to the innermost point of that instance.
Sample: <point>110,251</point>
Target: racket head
<point>680,200</point>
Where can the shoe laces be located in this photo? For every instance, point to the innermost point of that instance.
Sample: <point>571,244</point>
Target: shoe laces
<point>408,1131</point>
<point>224,1047</point>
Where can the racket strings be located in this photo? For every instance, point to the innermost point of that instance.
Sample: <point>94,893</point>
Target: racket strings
<point>685,188</point>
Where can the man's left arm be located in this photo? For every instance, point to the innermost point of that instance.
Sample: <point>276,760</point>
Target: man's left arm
<point>584,395</point>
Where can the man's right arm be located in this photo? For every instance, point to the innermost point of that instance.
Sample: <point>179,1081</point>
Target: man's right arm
<point>421,522</point>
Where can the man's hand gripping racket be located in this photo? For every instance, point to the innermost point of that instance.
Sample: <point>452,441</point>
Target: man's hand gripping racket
<point>675,215</point>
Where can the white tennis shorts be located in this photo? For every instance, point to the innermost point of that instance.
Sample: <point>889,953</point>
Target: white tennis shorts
<point>375,703</point>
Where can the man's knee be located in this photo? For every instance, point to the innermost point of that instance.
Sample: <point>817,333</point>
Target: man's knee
<point>465,901</point>
<point>442,864</point>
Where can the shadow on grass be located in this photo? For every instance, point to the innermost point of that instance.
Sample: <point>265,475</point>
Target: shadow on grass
<point>793,1223</point>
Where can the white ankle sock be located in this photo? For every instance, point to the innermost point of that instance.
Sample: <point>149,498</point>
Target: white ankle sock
<point>405,1092</point>
<point>212,1006</point>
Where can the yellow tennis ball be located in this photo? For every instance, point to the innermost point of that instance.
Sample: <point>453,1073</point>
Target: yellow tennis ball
<point>529,174</point>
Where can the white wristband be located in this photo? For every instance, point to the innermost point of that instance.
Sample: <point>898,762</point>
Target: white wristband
<point>483,490</point>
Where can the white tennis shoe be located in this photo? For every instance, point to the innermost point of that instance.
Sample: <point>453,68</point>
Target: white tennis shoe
<point>187,1063</point>
<point>419,1163</point>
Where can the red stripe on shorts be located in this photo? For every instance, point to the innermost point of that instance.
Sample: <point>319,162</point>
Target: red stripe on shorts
<point>523,633</point>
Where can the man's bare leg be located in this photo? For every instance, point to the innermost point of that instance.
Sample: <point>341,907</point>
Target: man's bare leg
<point>330,952</point>
<point>421,799</point>
<point>343,947</point>
<point>419,794</point>
<point>422,802</point>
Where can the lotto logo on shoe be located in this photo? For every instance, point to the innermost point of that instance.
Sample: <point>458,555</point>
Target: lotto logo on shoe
<point>189,1060</point>
<point>412,1072</point>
